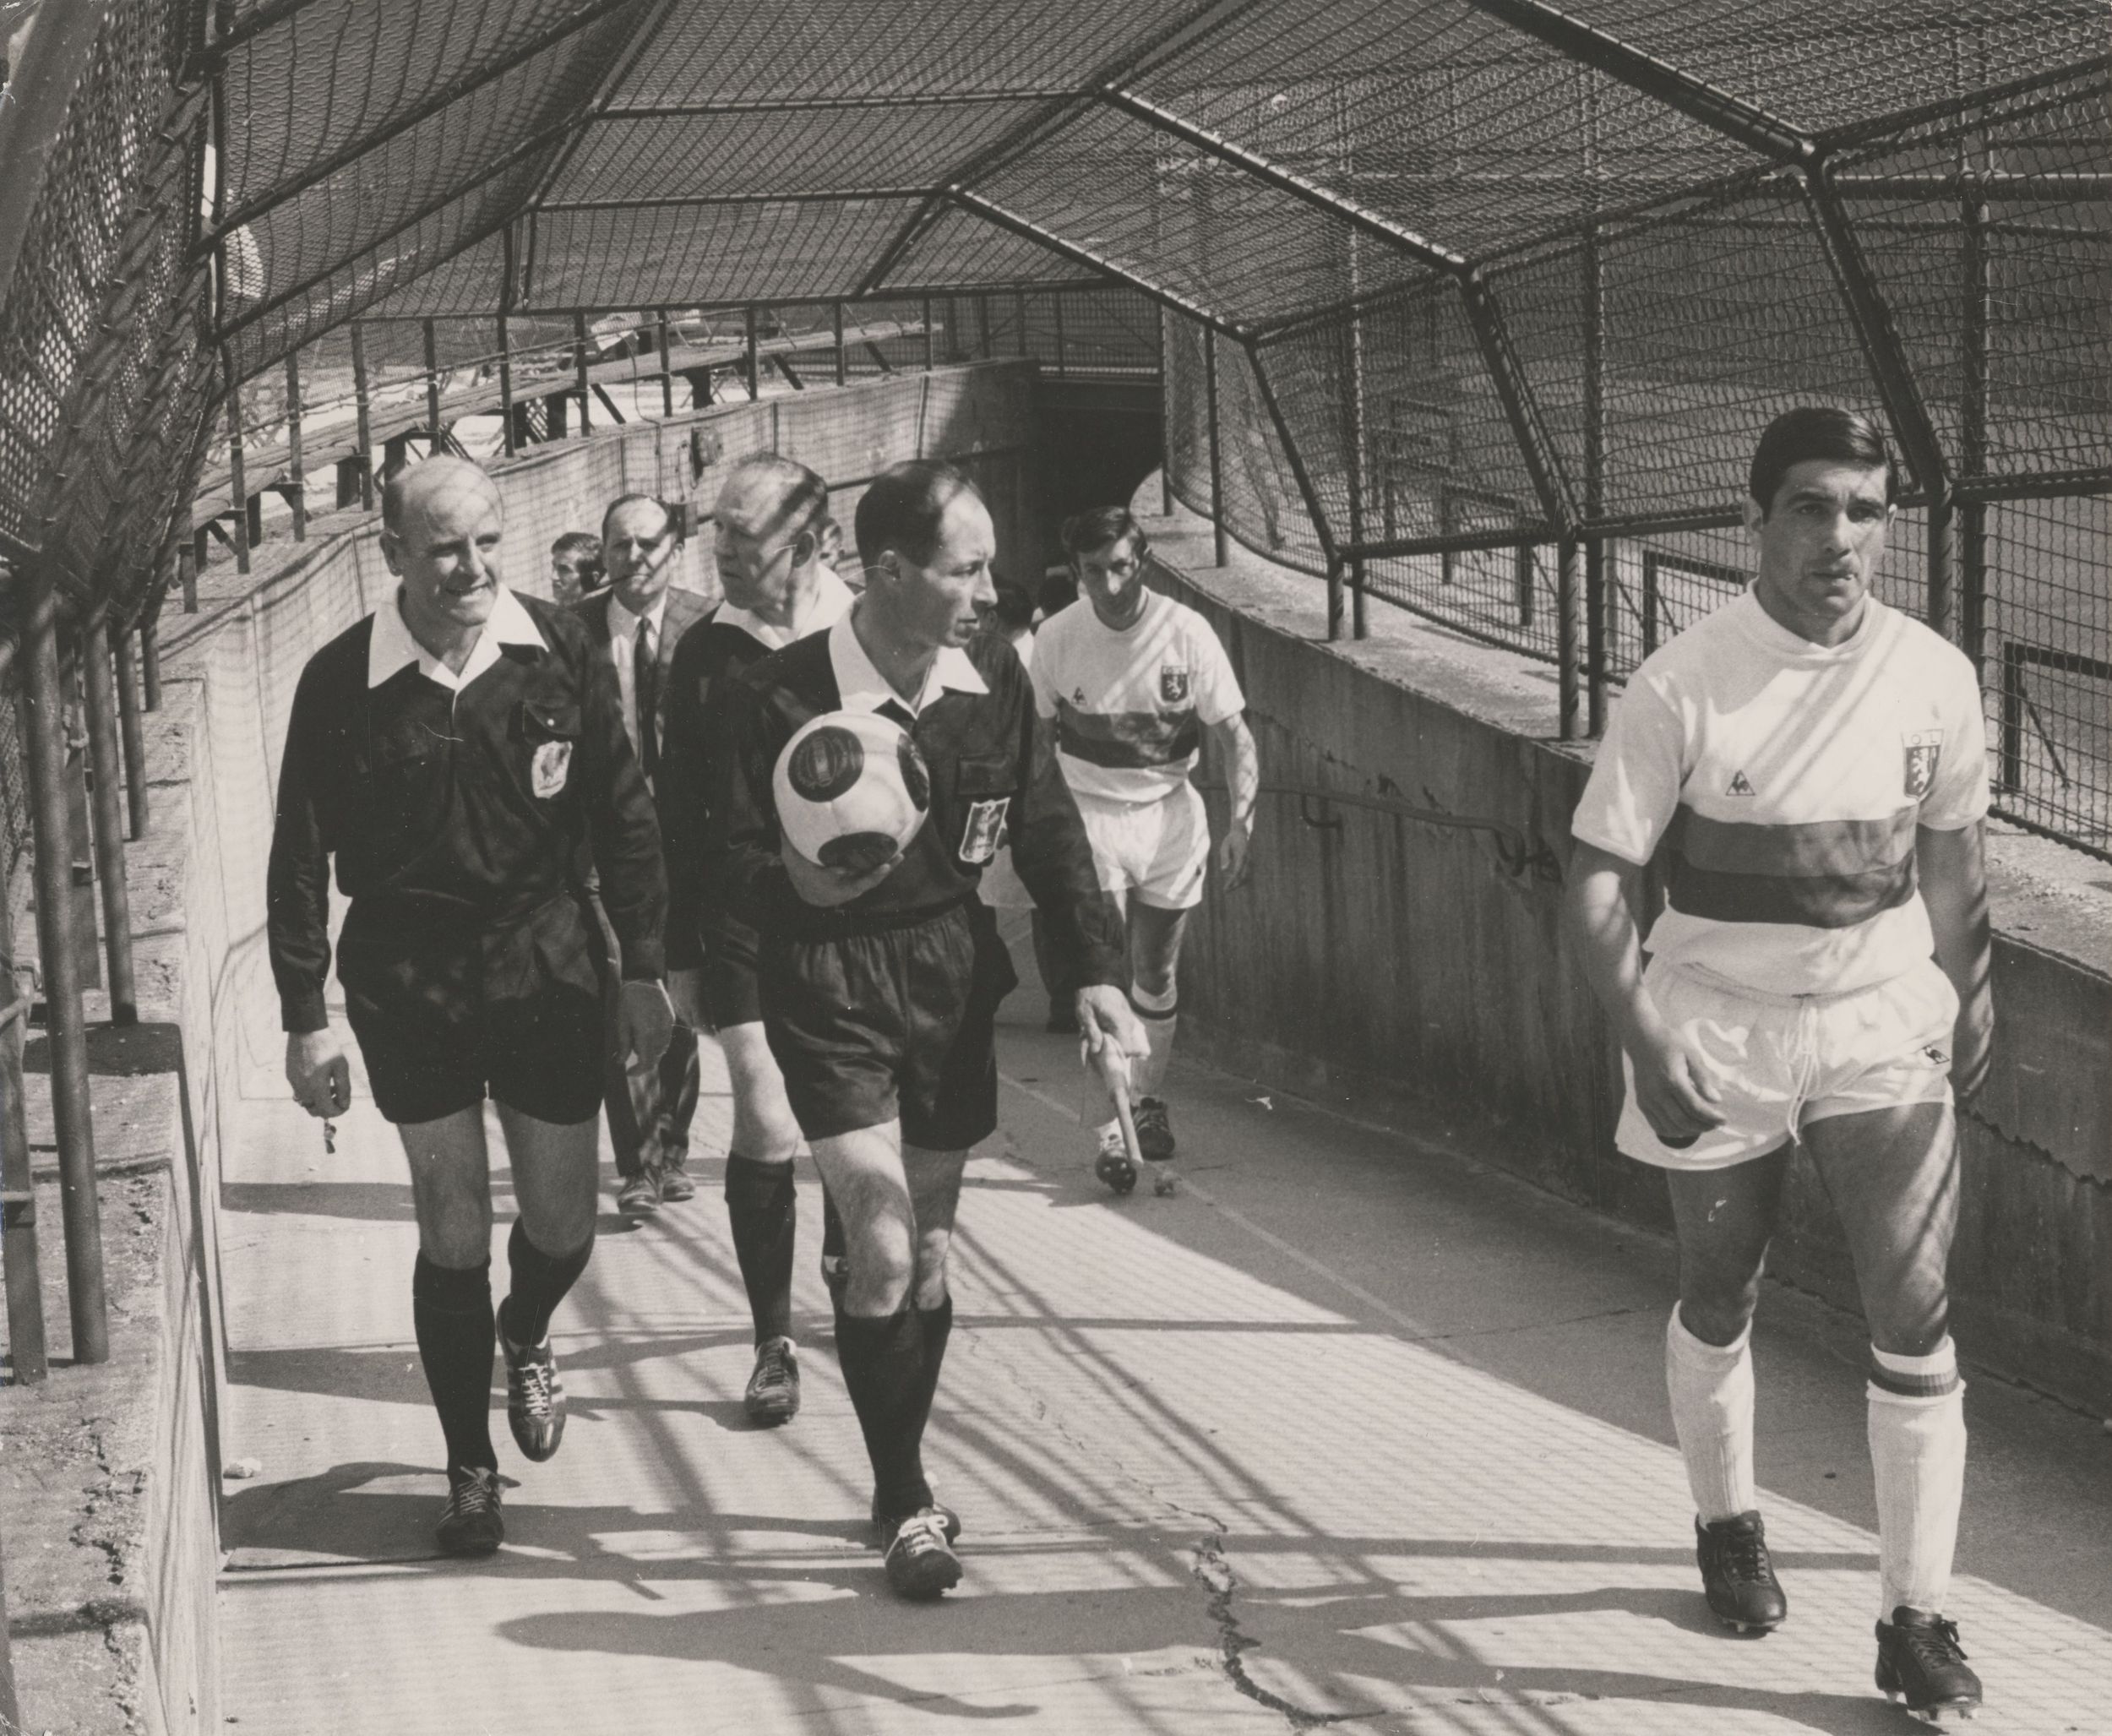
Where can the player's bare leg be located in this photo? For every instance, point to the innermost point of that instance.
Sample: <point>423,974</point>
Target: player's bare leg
<point>892,1324</point>
<point>1725,1219</point>
<point>1155,953</point>
<point>762,1206</point>
<point>1893,1176</point>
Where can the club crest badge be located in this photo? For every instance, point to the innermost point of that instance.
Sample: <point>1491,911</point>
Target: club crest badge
<point>984,832</point>
<point>551,767</point>
<point>1172,683</point>
<point>1923,747</point>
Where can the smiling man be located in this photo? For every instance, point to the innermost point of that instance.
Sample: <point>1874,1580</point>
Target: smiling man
<point>1809,766</point>
<point>880,981</point>
<point>458,752</point>
<point>1132,682</point>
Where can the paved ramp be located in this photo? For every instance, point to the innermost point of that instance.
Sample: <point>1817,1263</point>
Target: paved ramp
<point>1353,1431</point>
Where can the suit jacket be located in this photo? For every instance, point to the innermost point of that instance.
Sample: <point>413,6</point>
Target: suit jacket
<point>685,608</point>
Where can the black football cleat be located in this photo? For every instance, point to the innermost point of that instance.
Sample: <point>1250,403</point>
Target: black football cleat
<point>1921,1665</point>
<point>773,1387</point>
<point>921,1564</point>
<point>535,1396</point>
<point>471,1524</point>
<point>1736,1577</point>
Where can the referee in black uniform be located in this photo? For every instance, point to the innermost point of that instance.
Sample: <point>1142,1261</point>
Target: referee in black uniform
<point>880,982</point>
<point>454,751</point>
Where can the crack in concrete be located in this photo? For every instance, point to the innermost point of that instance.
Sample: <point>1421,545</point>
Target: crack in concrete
<point>1210,1568</point>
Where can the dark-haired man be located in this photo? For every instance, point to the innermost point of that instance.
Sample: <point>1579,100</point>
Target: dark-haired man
<point>880,980</point>
<point>1812,765</point>
<point>1133,681</point>
<point>768,544</point>
<point>575,567</point>
<point>636,622</point>
<point>457,752</point>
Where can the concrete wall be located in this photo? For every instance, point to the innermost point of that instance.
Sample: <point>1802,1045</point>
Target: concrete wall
<point>198,880</point>
<point>1376,956</point>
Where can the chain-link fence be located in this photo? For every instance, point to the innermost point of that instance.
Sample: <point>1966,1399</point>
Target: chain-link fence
<point>1475,308</point>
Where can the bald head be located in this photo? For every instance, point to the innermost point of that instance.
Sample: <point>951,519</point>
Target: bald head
<point>453,484</point>
<point>767,524</point>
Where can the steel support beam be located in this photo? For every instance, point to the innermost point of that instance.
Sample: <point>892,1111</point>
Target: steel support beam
<point>296,475</point>
<point>1569,639</point>
<point>43,708</point>
<point>1900,391</point>
<point>507,432</point>
<point>992,212</point>
<point>435,432</point>
<point>1220,552</point>
<point>1753,126</point>
<point>1307,493</point>
<point>1486,320</point>
<point>667,363</point>
<point>1383,229</point>
<point>363,406</point>
<point>27,1355</point>
<point>106,812</point>
<point>579,367</point>
<point>751,357</point>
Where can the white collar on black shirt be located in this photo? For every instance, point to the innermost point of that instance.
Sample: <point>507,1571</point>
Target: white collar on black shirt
<point>392,644</point>
<point>829,599</point>
<point>862,688</point>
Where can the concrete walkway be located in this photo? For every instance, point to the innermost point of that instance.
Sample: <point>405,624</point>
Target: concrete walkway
<point>1355,1430</point>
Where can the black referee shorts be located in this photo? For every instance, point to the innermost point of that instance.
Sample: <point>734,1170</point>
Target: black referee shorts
<point>731,996</point>
<point>447,1009</point>
<point>896,1024</point>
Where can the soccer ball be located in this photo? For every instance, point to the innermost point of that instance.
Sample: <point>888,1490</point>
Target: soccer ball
<point>848,783</point>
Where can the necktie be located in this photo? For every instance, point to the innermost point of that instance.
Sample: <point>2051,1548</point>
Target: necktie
<point>646,698</point>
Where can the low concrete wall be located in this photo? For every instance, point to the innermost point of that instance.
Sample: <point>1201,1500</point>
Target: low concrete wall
<point>1374,955</point>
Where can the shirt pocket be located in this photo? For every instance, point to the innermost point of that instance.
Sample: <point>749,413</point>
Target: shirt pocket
<point>547,732</point>
<point>986,784</point>
<point>403,772</point>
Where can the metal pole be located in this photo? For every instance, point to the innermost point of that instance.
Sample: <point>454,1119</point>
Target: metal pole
<point>579,363</point>
<point>1223,553</point>
<point>237,480</point>
<point>43,716</point>
<point>506,386</point>
<point>1019,310</point>
<point>1973,431</point>
<point>432,389</point>
<point>983,326</point>
<point>928,335</point>
<point>187,577</point>
<point>843,356</point>
<point>150,658</point>
<point>108,817</point>
<point>1599,636</point>
<point>17,1188</point>
<point>132,736</point>
<point>364,405</point>
<point>295,473</point>
<point>10,1703</point>
<point>1569,607</point>
<point>1056,307</point>
<point>667,365</point>
<point>1166,436</point>
<point>1353,361</point>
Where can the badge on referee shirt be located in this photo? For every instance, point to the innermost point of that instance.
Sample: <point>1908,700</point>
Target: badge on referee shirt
<point>1923,747</point>
<point>549,769</point>
<point>984,832</point>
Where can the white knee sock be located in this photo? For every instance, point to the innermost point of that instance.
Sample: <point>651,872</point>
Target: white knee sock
<point>1160,1015</point>
<point>1917,1433</point>
<point>1712,1391</point>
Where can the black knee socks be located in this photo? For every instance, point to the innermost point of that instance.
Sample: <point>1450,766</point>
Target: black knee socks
<point>890,1369</point>
<point>883,1365</point>
<point>451,1309</point>
<point>540,1281</point>
<point>763,1206</point>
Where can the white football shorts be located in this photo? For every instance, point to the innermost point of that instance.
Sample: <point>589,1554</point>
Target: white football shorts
<point>1155,851</point>
<point>1786,1061</point>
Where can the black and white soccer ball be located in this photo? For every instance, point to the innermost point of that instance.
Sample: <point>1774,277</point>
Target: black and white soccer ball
<point>848,784</point>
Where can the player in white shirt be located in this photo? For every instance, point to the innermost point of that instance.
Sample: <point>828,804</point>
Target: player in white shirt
<point>1133,682</point>
<point>1809,768</point>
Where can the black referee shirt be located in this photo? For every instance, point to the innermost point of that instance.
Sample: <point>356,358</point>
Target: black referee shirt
<point>478,801</point>
<point>993,769</point>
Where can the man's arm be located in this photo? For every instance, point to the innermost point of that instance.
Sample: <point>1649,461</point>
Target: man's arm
<point>742,871</point>
<point>1953,866</point>
<point>1673,1088</point>
<point>1235,751</point>
<point>297,917</point>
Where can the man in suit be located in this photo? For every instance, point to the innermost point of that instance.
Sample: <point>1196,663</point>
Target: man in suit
<point>636,621</point>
